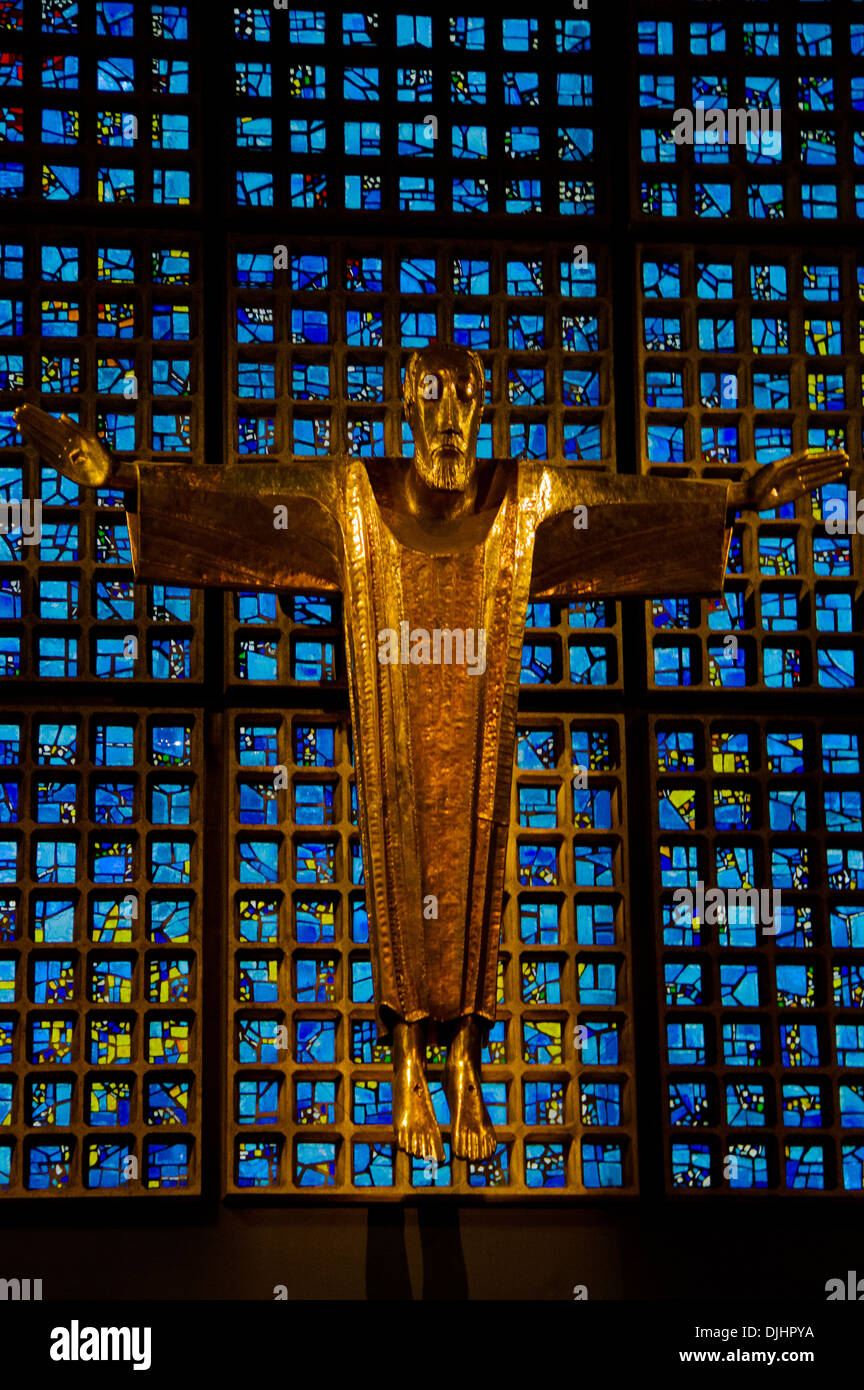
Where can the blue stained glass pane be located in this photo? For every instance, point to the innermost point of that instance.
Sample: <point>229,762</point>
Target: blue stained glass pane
<point>413,31</point>
<point>657,90</point>
<point>115,74</point>
<point>573,35</point>
<point>656,37</point>
<point>304,26</point>
<point>60,71</point>
<point>60,16</point>
<point>170,22</point>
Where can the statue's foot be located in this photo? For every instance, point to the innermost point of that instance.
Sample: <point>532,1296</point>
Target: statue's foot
<point>473,1136</point>
<point>414,1120</point>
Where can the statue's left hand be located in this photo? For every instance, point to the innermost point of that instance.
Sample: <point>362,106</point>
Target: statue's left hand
<point>787,479</point>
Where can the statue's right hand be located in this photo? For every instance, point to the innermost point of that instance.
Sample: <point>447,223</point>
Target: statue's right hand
<point>62,443</point>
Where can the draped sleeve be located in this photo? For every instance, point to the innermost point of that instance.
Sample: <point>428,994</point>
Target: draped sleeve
<point>265,526</point>
<point>637,536</point>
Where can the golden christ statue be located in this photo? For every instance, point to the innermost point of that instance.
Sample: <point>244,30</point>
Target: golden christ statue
<point>437,557</point>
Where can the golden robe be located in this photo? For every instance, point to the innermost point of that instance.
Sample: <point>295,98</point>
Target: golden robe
<point>433,742</point>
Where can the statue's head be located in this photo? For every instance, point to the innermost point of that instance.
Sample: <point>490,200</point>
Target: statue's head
<point>444,389</point>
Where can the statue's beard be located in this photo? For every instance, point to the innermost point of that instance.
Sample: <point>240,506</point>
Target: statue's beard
<point>446,471</point>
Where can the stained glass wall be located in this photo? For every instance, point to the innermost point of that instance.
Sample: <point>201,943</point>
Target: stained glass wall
<point>310,1083</point>
<point>324,191</point>
<point>100,105</point>
<point>747,356</point>
<point>746,353</point>
<point>797,68</point>
<point>108,334</point>
<point>762,1034</point>
<point>100,966</point>
<point>321,333</point>
<point>103,858</point>
<point>321,330</point>
<point>416,113</point>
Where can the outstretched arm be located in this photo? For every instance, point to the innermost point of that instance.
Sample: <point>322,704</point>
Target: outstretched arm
<point>623,535</point>
<point>268,525</point>
<point>781,482</point>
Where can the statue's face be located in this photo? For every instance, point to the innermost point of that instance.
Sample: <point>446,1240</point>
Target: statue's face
<point>444,401</point>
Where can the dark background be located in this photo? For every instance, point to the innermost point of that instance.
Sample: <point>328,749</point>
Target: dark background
<point>722,1250</point>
